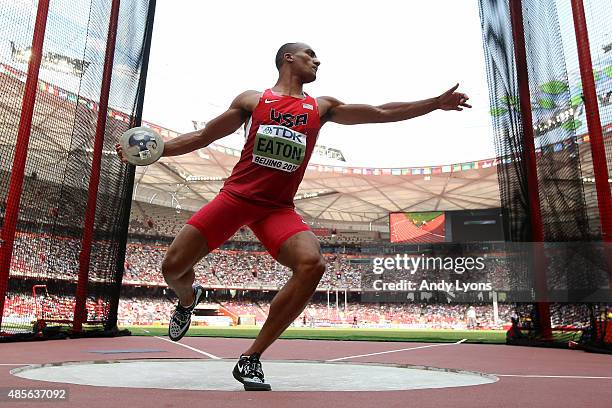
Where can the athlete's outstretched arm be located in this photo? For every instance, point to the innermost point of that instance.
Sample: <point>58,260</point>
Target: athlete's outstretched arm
<point>225,124</point>
<point>333,110</point>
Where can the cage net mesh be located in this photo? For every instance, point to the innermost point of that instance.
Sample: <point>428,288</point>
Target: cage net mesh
<point>40,291</point>
<point>567,198</point>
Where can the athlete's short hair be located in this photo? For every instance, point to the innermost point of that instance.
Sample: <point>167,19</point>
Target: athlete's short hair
<point>284,49</point>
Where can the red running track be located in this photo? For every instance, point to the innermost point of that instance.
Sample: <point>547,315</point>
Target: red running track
<point>492,359</point>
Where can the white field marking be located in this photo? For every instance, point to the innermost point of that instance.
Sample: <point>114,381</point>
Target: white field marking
<point>144,330</point>
<point>579,377</point>
<point>397,351</point>
<point>190,348</point>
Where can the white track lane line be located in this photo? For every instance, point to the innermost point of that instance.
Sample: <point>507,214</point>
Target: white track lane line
<point>579,377</point>
<point>396,351</point>
<point>190,348</point>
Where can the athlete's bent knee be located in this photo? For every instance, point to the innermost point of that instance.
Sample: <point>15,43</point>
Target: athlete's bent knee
<point>312,265</point>
<point>171,267</point>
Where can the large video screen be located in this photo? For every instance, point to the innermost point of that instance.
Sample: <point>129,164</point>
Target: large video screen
<point>418,227</point>
<point>447,226</point>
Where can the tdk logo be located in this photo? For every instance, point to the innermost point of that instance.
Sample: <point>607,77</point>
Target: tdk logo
<point>281,131</point>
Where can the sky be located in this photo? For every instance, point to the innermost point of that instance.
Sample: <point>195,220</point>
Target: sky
<point>204,53</point>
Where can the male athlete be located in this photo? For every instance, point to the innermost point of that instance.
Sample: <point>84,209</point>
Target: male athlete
<point>281,127</point>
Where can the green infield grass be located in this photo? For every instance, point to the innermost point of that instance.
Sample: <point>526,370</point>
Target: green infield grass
<point>420,217</point>
<point>350,334</point>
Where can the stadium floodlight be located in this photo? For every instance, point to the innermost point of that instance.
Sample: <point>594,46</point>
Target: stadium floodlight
<point>50,60</point>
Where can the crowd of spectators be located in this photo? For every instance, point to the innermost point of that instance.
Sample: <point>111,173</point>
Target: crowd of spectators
<point>43,257</point>
<point>247,307</point>
<point>237,269</point>
<point>150,310</point>
<point>48,256</point>
<point>144,311</point>
<point>415,315</point>
<point>411,315</point>
<point>49,306</point>
<point>155,220</point>
<point>23,308</point>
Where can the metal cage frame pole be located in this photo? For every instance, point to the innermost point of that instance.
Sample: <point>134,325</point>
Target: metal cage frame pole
<point>537,228</point>
<point>80,310</point>
<point>598,150</point>
<point>21,150</point>
<point>125,213</point>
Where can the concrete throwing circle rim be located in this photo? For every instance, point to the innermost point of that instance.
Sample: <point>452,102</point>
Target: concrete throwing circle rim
<point>319,375</point>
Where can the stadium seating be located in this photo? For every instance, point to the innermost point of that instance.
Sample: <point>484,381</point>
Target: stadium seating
<point>38,256</point>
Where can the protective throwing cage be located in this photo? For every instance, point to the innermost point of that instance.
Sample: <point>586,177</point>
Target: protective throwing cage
<point>72,78</point>
<point>549,69</point>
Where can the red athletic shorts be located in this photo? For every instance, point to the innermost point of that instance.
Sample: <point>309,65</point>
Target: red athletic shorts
<point>225,214</point>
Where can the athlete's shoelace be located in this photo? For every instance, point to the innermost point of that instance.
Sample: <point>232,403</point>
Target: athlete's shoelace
<point>253,369</point>
<point>181,315</point>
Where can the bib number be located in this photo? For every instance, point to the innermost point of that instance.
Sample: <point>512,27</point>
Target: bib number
<point>278,147</point>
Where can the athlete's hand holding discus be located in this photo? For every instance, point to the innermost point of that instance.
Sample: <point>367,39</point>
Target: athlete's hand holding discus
<point>223,125</point>
<point>140,146</point>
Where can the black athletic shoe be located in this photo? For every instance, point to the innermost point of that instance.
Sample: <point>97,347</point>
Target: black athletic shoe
<point>248,371</point>
<point>181,318</point>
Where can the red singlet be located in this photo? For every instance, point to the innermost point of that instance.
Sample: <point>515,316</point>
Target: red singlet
<point>281,135</point>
